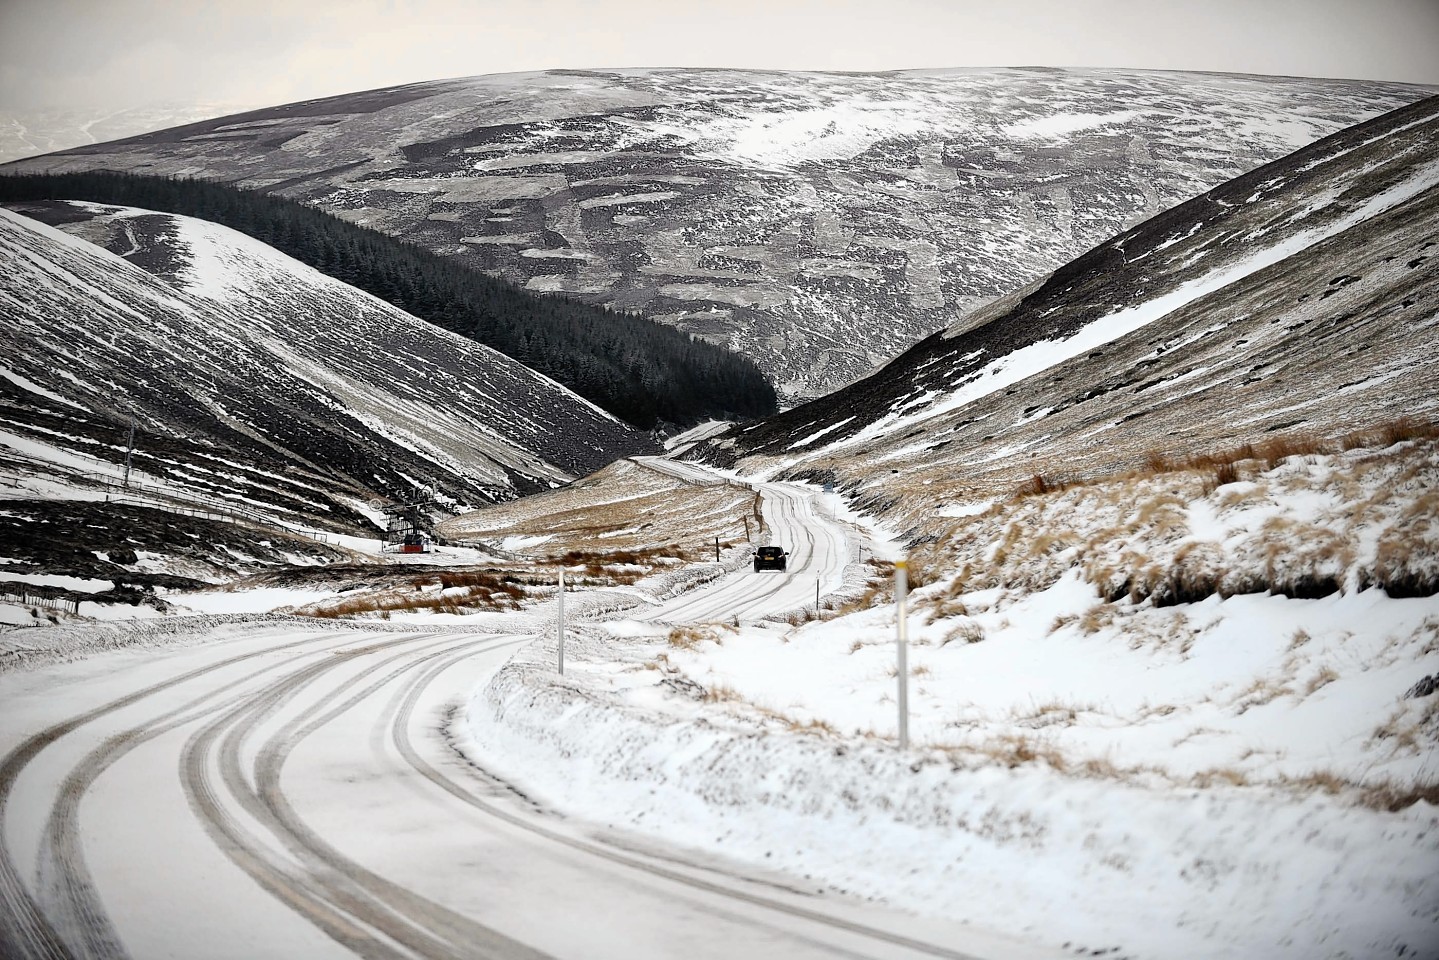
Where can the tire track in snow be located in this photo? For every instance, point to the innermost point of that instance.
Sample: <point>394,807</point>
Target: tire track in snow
<point>25,929</point>
<point>792,517</point>
<point>400,726</point>
<point>357,908</point>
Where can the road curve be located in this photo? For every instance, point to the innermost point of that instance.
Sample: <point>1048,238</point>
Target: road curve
<point>818,546</point>
<point>292,792</point>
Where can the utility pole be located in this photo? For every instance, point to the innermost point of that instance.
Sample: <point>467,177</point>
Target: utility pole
<point>716,549</point>
<point>561,603</point>
<point>129,452</point>
<point>901,599</point>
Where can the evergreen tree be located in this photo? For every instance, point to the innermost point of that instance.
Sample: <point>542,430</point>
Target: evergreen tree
<point>639,370</point>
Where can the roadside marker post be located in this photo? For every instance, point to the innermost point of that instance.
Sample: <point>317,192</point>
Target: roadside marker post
<point>561,601</point>
<point>901,599</point>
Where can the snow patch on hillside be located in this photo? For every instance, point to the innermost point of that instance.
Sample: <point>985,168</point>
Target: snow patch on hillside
<point>1060,125</point>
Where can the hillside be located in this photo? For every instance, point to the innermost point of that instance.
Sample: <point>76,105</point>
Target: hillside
<point>1168,680</point>
<point>641,371</point>
<point>1172,631</point>
<point>37,130</point>
<point>257,383</point>
<point>1297,299</point>
<point>817,223</point>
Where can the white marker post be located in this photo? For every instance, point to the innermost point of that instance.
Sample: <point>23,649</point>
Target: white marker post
<point>561,602</point>
<point>901,600</point>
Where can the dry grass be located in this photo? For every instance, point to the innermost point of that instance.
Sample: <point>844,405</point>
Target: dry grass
<point>690,636</point>
<point>965,631</point>
<point>1062,621</point>
<point>1039,485</point>
<point>1133,539</point>
<point>1219,776</point>
<point>452,592</point>
<point>624,506</point>
<point>1097,617</point>
<point>1387,434</point>
<point>817,727</point>
<point>1386,795</point>
<point>1051,713</point>
<point>1276,450</point>
<point>1259,692</point>
<point>1015,750</point>
<point>721,693</point>
<point>1402,734</point>
<point>623,567</point>
<point>1320,680</point>
<point>942,608</point>
<point>1394,797</point>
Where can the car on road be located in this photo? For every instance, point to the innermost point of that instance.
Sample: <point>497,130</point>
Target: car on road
<point>770,558</point>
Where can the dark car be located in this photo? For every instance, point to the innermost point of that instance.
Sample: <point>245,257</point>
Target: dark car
<point>769,558</point>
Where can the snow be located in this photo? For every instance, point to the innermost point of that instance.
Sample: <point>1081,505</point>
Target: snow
<point>35,388</point>
<point>1058,126</point>
<point>1163,756</point>
<point>1042,355</point>
<point>517,544</point>
<point>79,584</point>
<point>789,137</point>
<point>1140,783</point>
<point>246,601</point>
<point>806,441</point>
<point>1096,777</point>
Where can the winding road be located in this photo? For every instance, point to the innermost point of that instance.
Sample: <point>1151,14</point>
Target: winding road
<point>287,790</point>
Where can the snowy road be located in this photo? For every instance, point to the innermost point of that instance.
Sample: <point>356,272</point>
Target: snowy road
<point>818,549</point>
<point>283,790</point>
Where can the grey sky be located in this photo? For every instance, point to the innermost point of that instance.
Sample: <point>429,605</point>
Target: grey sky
<point>124,53</point>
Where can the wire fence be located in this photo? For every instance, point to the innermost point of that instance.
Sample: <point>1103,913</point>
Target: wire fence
<point>157,497</point>
<point>31,595</point>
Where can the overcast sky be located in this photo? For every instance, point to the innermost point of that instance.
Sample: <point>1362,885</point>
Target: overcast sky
<point>127,53</point>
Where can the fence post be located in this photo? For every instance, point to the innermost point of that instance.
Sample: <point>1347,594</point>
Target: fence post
<point>901,599</point>
<point>561,601</point>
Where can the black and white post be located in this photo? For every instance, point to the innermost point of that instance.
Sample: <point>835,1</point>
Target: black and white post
<point>560,606</point>
<point>901,600</point>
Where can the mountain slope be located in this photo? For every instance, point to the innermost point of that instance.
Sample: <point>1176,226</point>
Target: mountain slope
<point>1298,297</point>
<point>26,133</point>
<point>254,379</point>
<point>815,222</point>
<point>638,369</point>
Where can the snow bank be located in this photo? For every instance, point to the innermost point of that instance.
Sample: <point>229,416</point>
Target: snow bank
<point>1162,872</point>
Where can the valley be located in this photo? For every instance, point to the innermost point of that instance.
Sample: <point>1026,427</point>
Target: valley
<point>1157,453</point>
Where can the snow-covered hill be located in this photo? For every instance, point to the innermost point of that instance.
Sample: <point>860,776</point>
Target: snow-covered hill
<point>1298,298</point>
<point>258,383</point>
<point>816,222</point>
<point>28,133</point>
<point>1168,517</point>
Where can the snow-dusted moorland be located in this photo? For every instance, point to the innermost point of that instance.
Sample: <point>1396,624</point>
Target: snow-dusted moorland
<point>1239,773</point>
